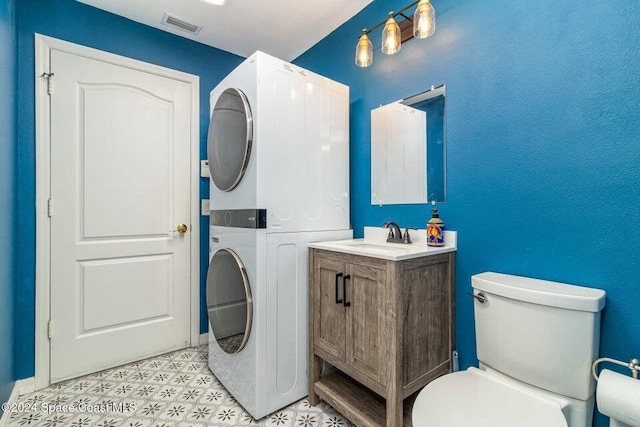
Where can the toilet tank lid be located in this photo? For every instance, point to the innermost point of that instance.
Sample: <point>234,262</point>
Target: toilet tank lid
<point>541,292</point>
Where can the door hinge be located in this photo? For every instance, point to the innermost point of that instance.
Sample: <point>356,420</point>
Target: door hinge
<point>49,83</point>
<point>49,207</point>
<point>49,329</point>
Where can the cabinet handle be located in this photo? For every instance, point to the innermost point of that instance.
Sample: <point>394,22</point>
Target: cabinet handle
<point>344,290</point>
<point>338,276</point>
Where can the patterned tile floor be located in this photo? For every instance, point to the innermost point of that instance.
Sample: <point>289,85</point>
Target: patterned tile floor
<point>173,390</point>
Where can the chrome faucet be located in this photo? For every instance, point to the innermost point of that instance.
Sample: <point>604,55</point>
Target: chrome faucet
<point>395,235</point>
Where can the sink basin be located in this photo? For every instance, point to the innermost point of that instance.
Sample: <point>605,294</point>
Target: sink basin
<point>363,244</point>
<point>374,246</point>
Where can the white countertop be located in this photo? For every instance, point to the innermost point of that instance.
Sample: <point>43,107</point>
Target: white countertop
<point>374,244</point>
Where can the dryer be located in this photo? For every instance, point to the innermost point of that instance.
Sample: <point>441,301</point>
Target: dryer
<point>278,146</point>
<point>258,314</point>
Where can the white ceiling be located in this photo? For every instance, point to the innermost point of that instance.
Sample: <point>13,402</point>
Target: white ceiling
<point>282,28</point>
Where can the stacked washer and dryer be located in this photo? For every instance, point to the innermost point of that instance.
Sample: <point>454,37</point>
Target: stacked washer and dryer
<point>278,148</point>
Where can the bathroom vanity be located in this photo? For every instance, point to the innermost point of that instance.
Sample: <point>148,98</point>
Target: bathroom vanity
<point>381,316</point>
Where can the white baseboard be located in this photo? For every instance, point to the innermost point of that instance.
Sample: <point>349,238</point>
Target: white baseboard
<point>25,386</point>
<point>204,338</point>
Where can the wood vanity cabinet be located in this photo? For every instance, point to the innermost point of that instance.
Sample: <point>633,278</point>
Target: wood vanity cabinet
<point>387,327</point>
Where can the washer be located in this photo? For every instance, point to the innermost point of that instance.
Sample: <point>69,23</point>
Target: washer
<point>278,143</point>
<point>278,148</point>
<point>258,314</point>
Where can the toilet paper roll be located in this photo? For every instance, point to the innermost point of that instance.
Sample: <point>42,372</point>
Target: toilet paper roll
<point>618,397</point>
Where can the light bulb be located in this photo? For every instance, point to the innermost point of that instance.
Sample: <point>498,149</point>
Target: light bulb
<point>364,51</point>
<point>424,20</point>
<point>391,36</point>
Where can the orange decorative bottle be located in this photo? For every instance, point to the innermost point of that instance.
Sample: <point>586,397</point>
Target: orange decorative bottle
<point>435,230</point>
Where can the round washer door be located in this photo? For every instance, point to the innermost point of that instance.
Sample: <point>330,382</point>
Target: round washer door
<point>230,138</point>
<point>229,301</point>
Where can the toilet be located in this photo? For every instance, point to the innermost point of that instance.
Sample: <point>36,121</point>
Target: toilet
<point>535,342</point>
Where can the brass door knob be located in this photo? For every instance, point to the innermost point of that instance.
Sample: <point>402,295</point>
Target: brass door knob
<point>182,228</point>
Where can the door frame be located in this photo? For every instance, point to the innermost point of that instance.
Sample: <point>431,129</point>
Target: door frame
<point>43,47</point>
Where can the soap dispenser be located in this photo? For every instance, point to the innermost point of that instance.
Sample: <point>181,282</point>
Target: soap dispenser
<point>435,229</point>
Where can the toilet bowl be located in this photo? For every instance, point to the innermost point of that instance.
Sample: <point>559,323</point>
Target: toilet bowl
<point>535,342</point>
<point>475,398</point>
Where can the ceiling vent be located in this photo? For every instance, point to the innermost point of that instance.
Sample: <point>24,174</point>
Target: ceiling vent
<point>180,24</point>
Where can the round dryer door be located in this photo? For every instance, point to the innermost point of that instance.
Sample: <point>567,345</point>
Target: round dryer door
<point>230,138</point>
<point>229,302</point>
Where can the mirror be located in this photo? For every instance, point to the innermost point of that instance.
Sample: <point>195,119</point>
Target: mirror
<point>408,153</point>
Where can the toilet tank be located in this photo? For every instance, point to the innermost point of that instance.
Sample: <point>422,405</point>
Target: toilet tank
<point>542,333</point>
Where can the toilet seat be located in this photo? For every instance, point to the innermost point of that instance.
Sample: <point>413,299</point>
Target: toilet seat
<point>475,398</point>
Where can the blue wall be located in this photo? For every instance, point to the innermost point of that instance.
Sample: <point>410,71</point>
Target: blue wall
<point>543,134</point>
<point>8,37</point>
<point>78,23</point>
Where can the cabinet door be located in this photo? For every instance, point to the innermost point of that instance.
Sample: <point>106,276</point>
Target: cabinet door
<point>365,320</point>
<point>328,315</point>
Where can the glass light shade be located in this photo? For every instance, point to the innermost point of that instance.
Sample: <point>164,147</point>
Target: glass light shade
<point>364,51</point>
<point>424,20</point>
<point>391,37</point>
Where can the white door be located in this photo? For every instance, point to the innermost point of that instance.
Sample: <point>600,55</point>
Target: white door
<point>120,183</point>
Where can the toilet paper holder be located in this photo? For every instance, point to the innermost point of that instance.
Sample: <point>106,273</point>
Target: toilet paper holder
<point>633,364</point>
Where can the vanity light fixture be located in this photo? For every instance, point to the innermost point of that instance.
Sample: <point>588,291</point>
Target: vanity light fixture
<point>421,25</point>
<point>364,50</point>
<point>424,20</point>
<point>391,36</point>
